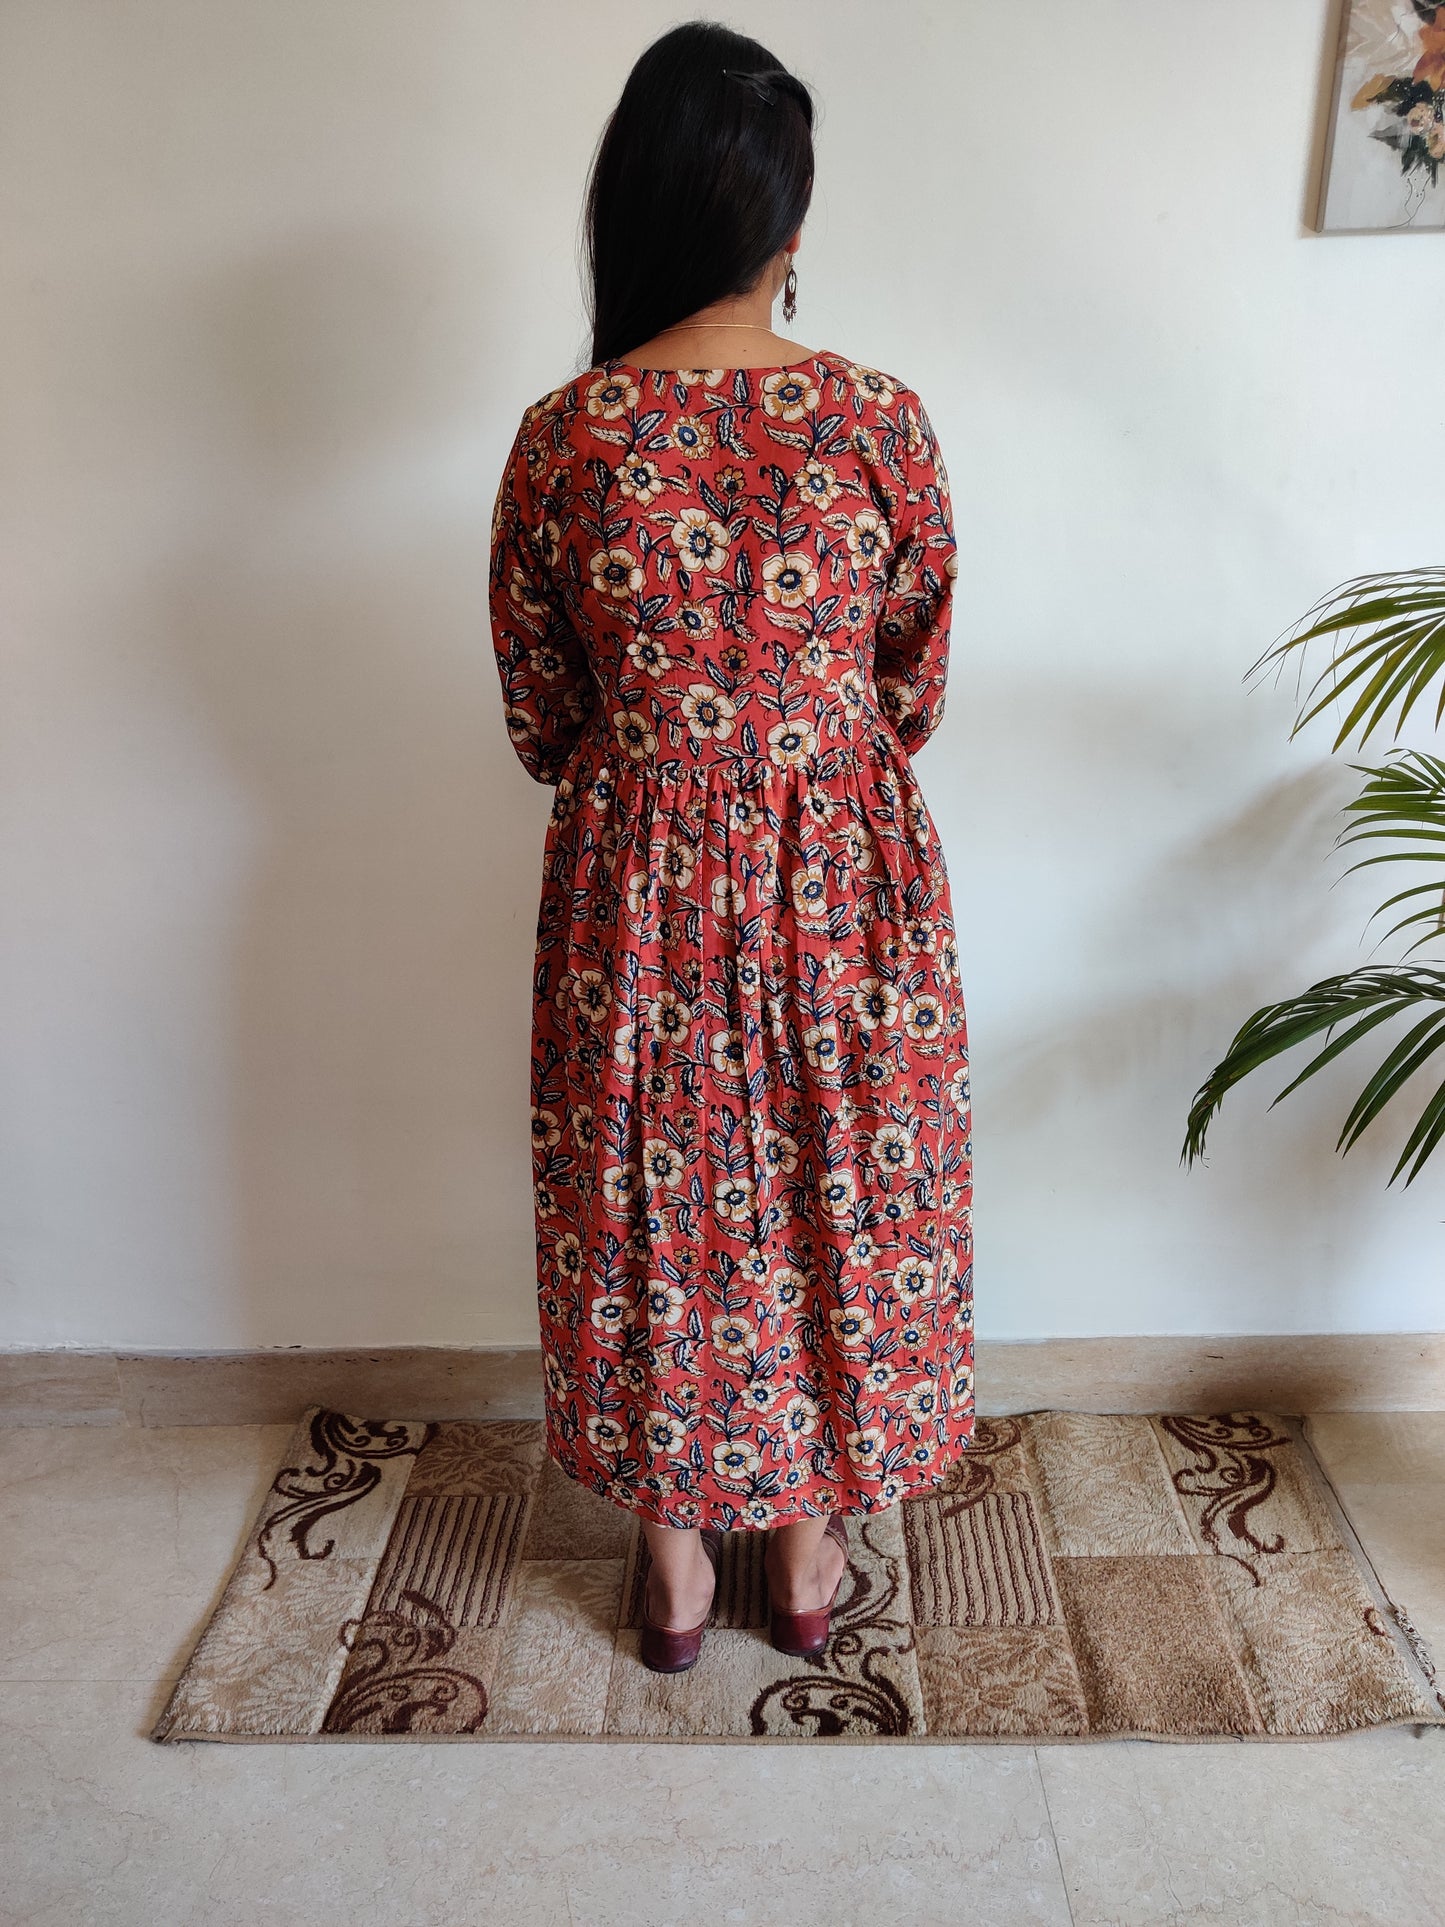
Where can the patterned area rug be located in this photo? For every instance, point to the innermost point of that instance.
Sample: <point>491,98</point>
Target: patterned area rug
<point>1079,1577</point>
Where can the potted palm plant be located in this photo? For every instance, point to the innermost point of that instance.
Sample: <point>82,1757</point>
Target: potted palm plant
<point>1387,640</point>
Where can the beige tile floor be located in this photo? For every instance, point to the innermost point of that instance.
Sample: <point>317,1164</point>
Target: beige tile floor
<point>112,1546</point>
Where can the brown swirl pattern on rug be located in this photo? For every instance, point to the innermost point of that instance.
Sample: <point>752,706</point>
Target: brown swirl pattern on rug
<point>341,1471</point>
<point>1074,1576</point>
<point>395,1684</point>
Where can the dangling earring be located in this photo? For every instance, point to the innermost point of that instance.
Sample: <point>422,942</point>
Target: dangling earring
<point>790,292</point>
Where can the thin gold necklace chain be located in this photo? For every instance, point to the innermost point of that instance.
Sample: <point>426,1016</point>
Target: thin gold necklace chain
<point>692,327</point>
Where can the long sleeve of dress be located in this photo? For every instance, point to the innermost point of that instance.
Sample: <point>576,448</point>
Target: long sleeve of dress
<point>910,665</point>
<point>547,684</point>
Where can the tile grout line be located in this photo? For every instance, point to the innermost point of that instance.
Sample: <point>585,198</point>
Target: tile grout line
<point>1054,1836</point>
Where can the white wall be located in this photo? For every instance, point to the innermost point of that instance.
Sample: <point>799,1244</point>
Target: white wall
<point>279,278</point>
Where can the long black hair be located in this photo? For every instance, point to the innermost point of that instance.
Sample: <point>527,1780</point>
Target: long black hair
<point>704,171</point>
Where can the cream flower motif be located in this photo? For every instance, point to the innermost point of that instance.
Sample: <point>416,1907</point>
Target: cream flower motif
<point>709,713</point>
<point>800,1419</point>
<point>815,658</point>
<point>792,743</point>
<point>521,594</point>
<point>876,1004</point>
<point>569,1256</point>
<point>745,813</point>
<point>592,994</point>
<point>729,899</point>
<point>922,1402</point>
<point>619,1184</point>
<point>865,1447</point>
<point>663,1435</point>
<point>753,1266</point>
<point>851,1325</point>
<point>735,1461</point>
<point>818,484</point>
<point>669,1016</point>
<point>662,1165</point>
<point>758,1395</point>
<point>923,1018</point>
<point>790,394</point>
<point>649,655</point>
<point>678,860</point>
<point>701,377</point>
<point>733,1337</point>
<point>665,1303</point>
<point>810,893</point>
<point>779,1151</point>
<point>701,542</point>
<point>634,731</point>
<point>734,1200</point>
<point>606,1434</point>
<point>615,573</point>
<point>726,1050</point>
<point>696,620</point>
<point>547,662</point>
<point>914,1279</point>
<point>639,478</point>
<point>611,1314</point>
<point>820,1046</point>
<point>839,1194</point>
<point>893,1148</point>
<point>790,579</point>
<point>789,1287</point>
<point>610,396</point>
<point>868,535</point>
<point>691,436</point>
<point>546,1131</point>
<point>863,1250</point>
<point>872,386</point>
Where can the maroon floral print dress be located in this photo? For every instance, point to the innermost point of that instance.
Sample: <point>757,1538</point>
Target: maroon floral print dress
<point>720,603</point>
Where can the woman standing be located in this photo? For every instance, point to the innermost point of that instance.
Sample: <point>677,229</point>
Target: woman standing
<point>721,576</point>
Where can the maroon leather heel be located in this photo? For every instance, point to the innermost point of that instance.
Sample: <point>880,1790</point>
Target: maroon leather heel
<point>806,1634</point>
<point>667,1649</point>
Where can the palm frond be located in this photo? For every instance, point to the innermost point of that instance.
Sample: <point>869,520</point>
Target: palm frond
<point>1352,1004</point>
<point>1403,802</point>
<point>1390,636</point>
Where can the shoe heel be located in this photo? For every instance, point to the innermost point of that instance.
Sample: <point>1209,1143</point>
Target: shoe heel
<point>669,1649</point>
<point>805,1635</point>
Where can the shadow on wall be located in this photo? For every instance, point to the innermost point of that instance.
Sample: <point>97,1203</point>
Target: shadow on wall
<point>329,617</point>
<point>1082,1081</point>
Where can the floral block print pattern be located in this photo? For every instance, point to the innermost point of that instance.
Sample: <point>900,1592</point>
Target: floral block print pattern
<point>451,1582</point>
<point>721,604</point>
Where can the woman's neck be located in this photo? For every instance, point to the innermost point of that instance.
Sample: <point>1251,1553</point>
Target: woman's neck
<point>736,333</point>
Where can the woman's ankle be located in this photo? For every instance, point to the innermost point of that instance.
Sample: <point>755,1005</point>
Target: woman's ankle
<point>678,1595</point>
<point>803,1577</point>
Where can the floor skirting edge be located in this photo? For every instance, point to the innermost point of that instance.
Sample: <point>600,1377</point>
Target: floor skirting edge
<point>1292,1372</point>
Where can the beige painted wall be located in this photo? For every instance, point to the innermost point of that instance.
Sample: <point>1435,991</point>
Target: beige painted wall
<point>278,280</point>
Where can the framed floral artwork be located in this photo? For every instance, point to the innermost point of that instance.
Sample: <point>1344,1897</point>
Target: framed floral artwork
<point>1384,161</point>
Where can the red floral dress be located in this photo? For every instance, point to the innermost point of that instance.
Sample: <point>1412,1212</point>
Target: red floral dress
<point>720,604</point>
